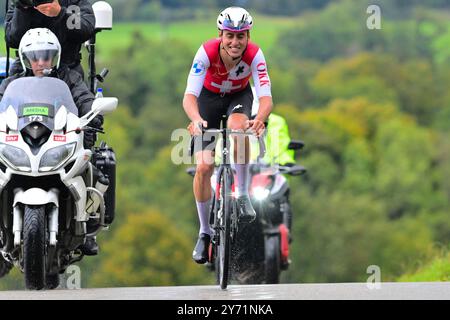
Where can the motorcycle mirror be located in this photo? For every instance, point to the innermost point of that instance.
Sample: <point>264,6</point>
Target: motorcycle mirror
<point>61,118</point>
<point>11,118</point>
<point>103,15</point>
<point>296,145</point>
<point>297,170</point>
<point>104,105</point>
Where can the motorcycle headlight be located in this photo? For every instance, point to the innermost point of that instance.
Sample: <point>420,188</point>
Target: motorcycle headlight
<point>260,193</point>
<point>54,158</point>
<point>15,158</point>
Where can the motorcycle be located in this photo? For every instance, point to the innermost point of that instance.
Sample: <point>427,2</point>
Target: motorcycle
<point>261,251</point>
<point>48,188</point>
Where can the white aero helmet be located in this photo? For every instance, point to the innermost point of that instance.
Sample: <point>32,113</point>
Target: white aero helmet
<point>234,19</point>
<point>39,43</point>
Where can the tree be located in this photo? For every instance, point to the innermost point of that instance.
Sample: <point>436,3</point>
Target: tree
<point>146,62</point>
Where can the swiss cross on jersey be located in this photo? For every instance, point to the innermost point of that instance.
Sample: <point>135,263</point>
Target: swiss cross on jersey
<point>234,81</point>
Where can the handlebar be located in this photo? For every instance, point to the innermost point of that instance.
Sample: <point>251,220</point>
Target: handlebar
<point>262,145</point>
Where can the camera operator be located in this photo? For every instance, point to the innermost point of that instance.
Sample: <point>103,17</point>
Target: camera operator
<point>72,21</point>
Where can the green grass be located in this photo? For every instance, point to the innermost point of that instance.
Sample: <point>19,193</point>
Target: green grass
<point>436,270</point>
<point>194,33</point>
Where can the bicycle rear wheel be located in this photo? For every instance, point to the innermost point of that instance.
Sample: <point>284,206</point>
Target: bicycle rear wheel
<point>224,249</point>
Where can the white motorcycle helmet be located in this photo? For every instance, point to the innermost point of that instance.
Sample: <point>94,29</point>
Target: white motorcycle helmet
<point>39,43</point>
<point>234,19</point>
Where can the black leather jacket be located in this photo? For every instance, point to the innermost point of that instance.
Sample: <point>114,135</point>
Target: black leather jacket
<point>70,35</point>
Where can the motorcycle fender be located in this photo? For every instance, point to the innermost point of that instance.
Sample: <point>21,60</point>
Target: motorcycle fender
<point>78,189</point>
<point>36,197</point>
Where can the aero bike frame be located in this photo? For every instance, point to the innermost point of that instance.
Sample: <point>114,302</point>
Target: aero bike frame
<point>225,219</point>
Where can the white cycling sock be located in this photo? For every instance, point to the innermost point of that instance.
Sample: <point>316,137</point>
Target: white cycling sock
<point>203,210</point>
<point>242,173</point>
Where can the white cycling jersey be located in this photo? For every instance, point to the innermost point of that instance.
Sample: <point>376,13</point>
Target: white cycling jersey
<point>209,71</point>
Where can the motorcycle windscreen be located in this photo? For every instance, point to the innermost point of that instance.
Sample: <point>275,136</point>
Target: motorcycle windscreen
<point>37,99</point>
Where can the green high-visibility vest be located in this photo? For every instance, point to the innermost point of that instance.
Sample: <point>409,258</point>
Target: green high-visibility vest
<point>277,140</point>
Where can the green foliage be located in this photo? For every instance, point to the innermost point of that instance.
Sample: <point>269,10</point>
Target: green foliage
<point>413,85</point>
<point>147,250</point>
<point>340,234</point>
<point>335,32</point>
<point>436,270</point>
<point>369,197</point>
<point>401,179</point>
<point>148,70</point>
<point>13,281</point>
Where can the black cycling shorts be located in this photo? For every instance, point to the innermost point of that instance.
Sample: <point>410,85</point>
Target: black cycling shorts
<point>214,107</point>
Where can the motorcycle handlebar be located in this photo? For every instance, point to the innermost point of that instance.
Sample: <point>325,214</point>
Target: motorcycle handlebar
<point>295,170</point>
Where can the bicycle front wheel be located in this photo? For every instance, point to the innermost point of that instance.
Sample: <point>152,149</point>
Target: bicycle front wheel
<point>225,230</point>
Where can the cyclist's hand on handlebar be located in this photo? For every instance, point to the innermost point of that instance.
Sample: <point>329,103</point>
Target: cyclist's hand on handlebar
<point>257,126</point>
<point>195,127</point>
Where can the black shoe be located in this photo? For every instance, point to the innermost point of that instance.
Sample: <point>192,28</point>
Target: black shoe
<point>200,253</point>
<point>90,247</point>
<point>246,212</point>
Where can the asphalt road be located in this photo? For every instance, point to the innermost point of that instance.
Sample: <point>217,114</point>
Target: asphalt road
<point>335,291</point>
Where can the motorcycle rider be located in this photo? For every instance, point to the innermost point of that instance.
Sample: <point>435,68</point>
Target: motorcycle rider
<point>40,54</point>
<point>276,140</point>
<point>72,21</point>
<point>217,86</point>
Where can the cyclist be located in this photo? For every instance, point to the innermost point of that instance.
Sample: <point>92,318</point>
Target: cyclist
<point>217,86</point>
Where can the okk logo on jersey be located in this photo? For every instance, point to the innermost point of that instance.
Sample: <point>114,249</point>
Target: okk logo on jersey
<point>198,68</point>
<point>262,74</point>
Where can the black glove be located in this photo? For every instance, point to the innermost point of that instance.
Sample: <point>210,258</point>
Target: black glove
<point>39,2</point>
<point>24,4</point>
<point>97,122</point>
<point>90,136</point>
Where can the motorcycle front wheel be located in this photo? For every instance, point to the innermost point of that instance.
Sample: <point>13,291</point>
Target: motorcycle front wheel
<point>272,260</point>
<point>34,247</point>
